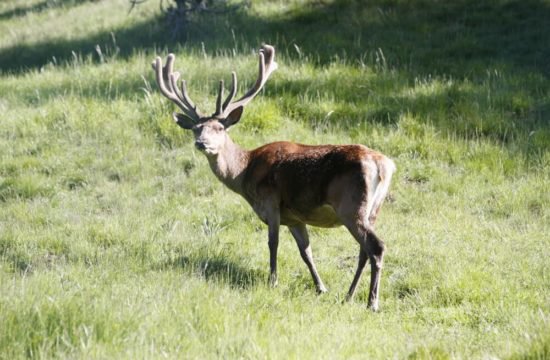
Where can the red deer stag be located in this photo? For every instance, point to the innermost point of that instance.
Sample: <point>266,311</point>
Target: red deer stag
<point>287,183</point>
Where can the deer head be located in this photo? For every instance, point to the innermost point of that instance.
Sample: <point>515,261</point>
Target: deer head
<point>210,130</point>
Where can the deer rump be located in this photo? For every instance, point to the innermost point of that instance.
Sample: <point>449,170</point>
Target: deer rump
<point>311,182</point>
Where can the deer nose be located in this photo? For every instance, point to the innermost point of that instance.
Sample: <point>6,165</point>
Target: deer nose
<point>199,145</point>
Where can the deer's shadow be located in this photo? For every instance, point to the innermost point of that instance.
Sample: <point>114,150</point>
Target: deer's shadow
<point>218,269</point>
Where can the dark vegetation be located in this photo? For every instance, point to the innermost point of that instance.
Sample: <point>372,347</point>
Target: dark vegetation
<point>461,40</point>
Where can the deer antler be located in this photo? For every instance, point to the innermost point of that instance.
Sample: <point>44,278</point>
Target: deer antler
<point>267,66</point>
<point>167,81</point>
<point>170,88</point>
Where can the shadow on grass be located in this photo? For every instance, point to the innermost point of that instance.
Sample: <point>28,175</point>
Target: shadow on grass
<point>454,38</point>
<point>219,269</point>
<point>37,8</point>
<point>23,57</point>
<point>463,39</point>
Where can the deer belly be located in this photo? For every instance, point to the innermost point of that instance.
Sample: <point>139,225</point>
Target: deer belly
<point>322,216</point>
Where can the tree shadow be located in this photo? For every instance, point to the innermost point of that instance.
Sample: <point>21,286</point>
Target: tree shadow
<point>218,269</point>
<point>23,57</point>
<point>460,40</point>
<point>37,8</point>
<point>457,38</point>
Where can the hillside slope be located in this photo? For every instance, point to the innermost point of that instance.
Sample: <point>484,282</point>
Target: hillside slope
<point>117,241</point>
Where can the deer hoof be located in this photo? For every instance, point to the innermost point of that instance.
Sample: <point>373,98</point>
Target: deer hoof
<point>374,306</point>
<point>273,282</point>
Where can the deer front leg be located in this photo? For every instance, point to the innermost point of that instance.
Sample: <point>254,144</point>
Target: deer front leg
<point>273,242</point>
<point>299,233</point>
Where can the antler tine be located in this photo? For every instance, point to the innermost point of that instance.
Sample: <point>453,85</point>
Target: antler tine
<point>169,89</point>
<point>266,66</point>
<point>261,75</point>
<point>157,66</point>
<point>232,92</point>
<point>173,81</point>
<point>219,108</point>
<point>186,98</point>
<point>169,69</point>
<point>269,60</point>
<point>183,94</point>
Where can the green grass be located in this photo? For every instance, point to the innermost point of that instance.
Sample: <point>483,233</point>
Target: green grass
<point>116,241</point>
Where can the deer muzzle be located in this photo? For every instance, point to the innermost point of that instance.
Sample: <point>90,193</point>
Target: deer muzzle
<point>200,145</point>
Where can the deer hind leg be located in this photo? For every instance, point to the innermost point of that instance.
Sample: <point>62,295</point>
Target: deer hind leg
<point>376,248</point>
<point>354,209</point>
<point>300,234</point>
<point>372,248</point>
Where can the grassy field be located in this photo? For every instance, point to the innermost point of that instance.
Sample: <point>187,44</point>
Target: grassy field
<point>117,241</point>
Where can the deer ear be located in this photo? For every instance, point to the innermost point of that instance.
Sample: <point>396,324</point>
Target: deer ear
<point>233,117</point>
<point>183,120</point>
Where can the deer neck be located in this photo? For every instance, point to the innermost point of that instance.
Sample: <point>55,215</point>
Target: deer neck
<point>229,165</point>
